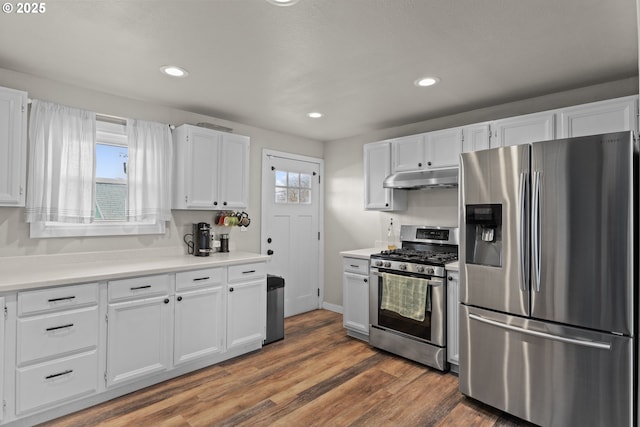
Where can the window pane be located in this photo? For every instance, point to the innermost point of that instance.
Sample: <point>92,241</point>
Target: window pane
<point>294,179</point>
<point>293,195</point>
<point>110,201</point>
<point>281,178</point>
<point>111,161</point>
<point>305,180</point>
<point>305,196</point>
<point>281,195</point>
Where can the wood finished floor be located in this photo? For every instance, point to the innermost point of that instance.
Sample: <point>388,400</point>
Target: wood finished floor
<point>316,376</point>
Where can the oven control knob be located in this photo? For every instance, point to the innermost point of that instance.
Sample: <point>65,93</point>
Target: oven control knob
<point>378,263</point>
<point>387,264</point>
<point>403,266</point>
<point>420,269</point>
<point>430,271</point>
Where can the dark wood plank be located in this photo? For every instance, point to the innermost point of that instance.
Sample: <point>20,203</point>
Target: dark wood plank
<point>316,376</point>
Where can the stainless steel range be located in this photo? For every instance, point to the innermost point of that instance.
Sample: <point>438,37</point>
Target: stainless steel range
<point>407,295</point>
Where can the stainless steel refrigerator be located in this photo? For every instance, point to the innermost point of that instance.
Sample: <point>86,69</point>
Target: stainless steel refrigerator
<point>548,280</point>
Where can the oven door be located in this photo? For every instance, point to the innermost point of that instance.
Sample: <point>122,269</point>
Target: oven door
<point>431,329</point>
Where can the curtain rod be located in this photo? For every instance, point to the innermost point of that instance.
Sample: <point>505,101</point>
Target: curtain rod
<point>109,118</point>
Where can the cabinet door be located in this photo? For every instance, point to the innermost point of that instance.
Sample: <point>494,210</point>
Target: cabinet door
<point>199,324</point>
<point>408,153</point>
<point>443,148</point>
<point>476,137</point>
<point>140,335</point>
<point>3,346</point>
<point>201,170</point>
<point>246,312</point>
<point>453,301</point>
<point>599,117</point>
<point>524,129</point>
<point>377,166</point>
<point>356,302</point>
<point>13,146</point>
<point>234,172</point>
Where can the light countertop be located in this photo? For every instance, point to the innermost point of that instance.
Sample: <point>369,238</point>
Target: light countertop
<point>361,253</point>
<point>31,272</point>
<point>452,266</point>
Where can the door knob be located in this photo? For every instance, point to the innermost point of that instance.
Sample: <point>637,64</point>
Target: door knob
<point>269,252</point>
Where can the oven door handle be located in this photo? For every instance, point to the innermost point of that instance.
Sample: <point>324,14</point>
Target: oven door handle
<point>430,282</point>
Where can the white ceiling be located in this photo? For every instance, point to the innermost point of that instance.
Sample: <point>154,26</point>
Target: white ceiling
<point>354,60</point>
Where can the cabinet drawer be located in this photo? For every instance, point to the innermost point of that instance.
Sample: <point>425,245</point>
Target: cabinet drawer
<point>239,273</point>
<point>62,298</point>
<point>47,384</point>
<point>56,334</point>
<point>356,265</point>
<point>200,278</point>
<point>139,287</point>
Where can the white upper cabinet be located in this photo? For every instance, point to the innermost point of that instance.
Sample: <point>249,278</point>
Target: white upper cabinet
<point>613,115</point>
<point>408,153</point>
<point>476,137</point>
<point>211,169</point>
<point>377,166</point>
<point>13,147</point>
<point>523,129</point>
<point>431,150</point>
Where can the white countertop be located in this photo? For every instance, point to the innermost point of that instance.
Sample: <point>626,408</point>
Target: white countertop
<point>361,253</point>
<point>452,266</point>
<point>30,272</point>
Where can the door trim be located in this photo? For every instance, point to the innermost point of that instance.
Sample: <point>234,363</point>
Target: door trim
<point>266,154</point>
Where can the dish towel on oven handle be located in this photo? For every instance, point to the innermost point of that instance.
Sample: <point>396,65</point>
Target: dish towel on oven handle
<point>405,295</point>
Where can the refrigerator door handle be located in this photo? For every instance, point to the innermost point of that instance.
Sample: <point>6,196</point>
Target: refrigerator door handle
<point>522,244</point>
<point>535,227</point>
<point>545,335</point>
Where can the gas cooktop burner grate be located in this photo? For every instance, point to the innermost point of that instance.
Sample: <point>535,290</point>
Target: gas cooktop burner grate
<point>412,255</point>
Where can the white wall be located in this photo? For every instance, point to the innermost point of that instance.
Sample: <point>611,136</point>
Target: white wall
<point>349,226</point>
<point>14,232</point>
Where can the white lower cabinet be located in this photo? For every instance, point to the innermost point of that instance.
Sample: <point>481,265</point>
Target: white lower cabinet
<point>355,296</point>
<point>246,304</point>
<point>453,299</point>
<point>139,328</point>
<point>56,346</point>
<point>200,315</point>
<point>3,345</point>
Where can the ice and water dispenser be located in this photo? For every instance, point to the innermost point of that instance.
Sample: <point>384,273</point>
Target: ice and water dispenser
<point>484,235</point>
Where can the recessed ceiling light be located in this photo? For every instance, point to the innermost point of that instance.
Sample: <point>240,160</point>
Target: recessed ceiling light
<point>315,115</point>
<point>283,2</point>
<point>426,81</point>
<point>173,71</point>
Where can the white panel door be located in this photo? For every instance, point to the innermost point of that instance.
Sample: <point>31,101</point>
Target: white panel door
<point>613,115</point>
<point>290,233</point>
<point>13,147</point>
<point>408,153</point>
<point>200,323</point>
<point>443,148</point>
<point>139,338</point>
<point>524,129</point>
<point>246,313</point>
<point>234,172</point>
<point>4,346</point>
<point>203,151</point>
<point>355,289</point>
<point>476,137</point>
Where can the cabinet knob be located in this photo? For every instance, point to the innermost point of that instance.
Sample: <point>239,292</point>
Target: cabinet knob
<point>428,163</point>
<point>215,203</point>
<point>269,252</point>
<point>269,240</point>
<point>419,165</point>
<point>224,203</point>
<point>450,278</point>
<point>166,300</point>
<point>386,205</point>
<point>179,298</point>
<point>366,280</point>
<point>230,289</point>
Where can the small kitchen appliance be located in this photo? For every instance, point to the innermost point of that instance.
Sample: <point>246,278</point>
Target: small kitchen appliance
<point>202,239</point>
<point>407,295</point>
<point>548,280</point>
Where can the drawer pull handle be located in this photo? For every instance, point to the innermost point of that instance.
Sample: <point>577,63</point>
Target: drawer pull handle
<point>137,288</point>
<point>248,271</point>
<point>55,328</point>
<point>201,278</point>
<point>67,372</point>
<point>62,299</point>
<point>355,266</point>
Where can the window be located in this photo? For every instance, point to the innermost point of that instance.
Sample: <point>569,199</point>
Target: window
<point>293,187</point>
<point>111,194</point>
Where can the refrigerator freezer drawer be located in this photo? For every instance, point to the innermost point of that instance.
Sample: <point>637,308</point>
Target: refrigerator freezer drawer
<point>548,374</point>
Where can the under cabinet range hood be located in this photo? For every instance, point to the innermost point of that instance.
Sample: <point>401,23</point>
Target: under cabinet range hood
<point>413,180</point>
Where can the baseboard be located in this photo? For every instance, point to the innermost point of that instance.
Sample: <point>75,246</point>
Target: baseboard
<point>332,307</point>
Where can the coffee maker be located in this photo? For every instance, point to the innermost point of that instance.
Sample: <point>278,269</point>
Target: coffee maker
<point>201,239</point>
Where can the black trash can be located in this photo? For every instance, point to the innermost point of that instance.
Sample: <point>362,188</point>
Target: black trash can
<point>275,308</point>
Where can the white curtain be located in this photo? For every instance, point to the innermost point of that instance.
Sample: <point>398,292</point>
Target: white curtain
<point>61,163</point>
<point>149,171</point>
